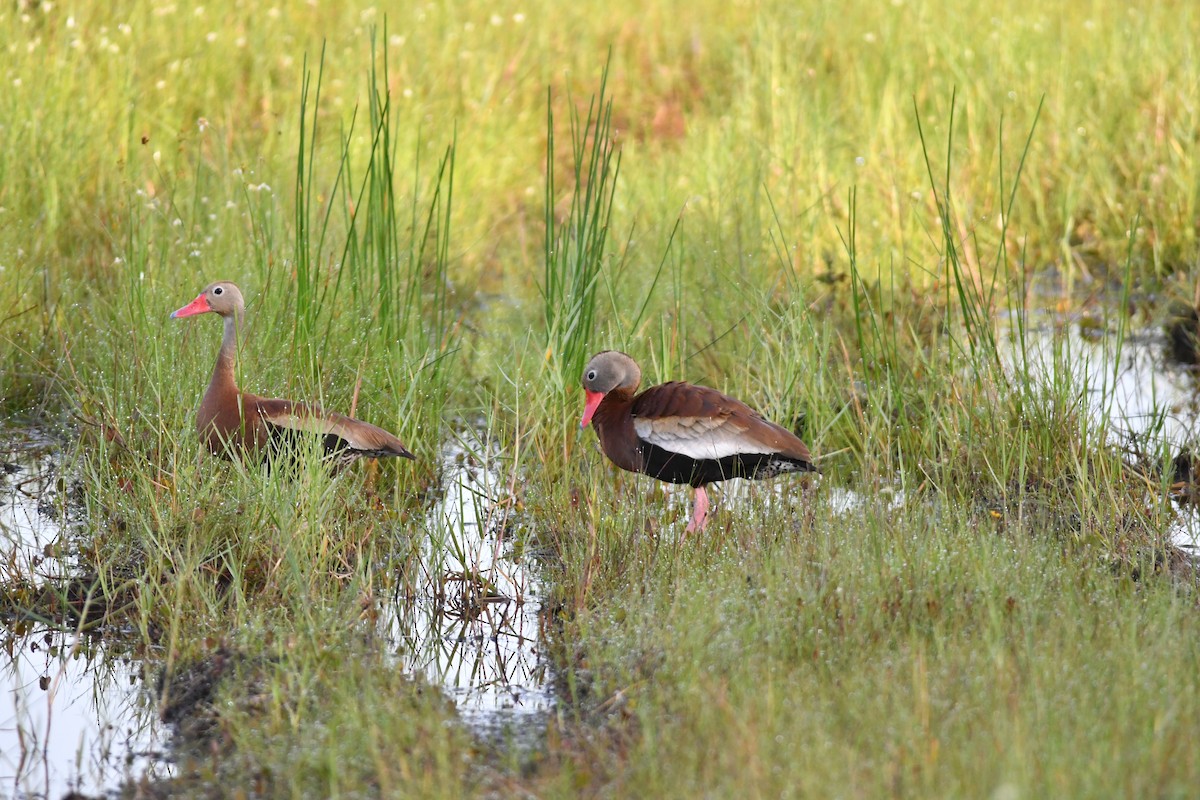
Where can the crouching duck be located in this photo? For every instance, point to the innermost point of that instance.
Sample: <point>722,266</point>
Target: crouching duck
<point>232,422</point>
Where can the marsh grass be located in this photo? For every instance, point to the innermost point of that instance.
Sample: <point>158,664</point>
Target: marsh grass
<point>987,613</point>
<point>890,652</point>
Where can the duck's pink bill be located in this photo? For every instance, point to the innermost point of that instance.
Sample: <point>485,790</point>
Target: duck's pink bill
<point>198,306</point>
<point>589,408</point>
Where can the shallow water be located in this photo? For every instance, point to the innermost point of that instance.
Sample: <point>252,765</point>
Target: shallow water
<point>476,629</point>
<point>72,718</point>
<point>1141,397</point>
<point>27,536</point>
<point>74,715</point>
<point>1144,400</point>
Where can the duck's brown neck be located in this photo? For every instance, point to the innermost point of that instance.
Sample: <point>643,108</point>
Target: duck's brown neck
<point>613,421</point>
<point>223,380</point>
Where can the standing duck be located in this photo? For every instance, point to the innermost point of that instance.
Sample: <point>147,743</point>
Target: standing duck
<point>683,433</point>
<point>233,421</point>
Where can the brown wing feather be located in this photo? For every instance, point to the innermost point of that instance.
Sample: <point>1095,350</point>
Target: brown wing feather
<point>313,419</point>
<point>681,399</point>
<point>679,410</point>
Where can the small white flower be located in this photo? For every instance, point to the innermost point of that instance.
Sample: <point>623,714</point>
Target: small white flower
<point>211,37</point>
<point>860,161</point>
<point>157,157</point>
<point>518,17</point>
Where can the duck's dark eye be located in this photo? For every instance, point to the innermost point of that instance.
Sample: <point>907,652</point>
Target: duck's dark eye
<point>591,376</point>
<point>218,290</point>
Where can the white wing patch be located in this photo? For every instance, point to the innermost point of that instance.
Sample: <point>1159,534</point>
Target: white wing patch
<point>698,437</point>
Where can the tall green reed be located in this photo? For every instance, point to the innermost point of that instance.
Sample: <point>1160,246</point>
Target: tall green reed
<point>385,264</point>
<point>575,247</point>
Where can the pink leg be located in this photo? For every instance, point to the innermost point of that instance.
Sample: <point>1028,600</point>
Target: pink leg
<point>699,511</point>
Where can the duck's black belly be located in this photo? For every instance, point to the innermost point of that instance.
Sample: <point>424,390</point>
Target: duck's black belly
<point>670,467</point>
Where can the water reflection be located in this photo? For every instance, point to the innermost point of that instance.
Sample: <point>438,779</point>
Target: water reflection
<point>1130,386</point>
<point>1142,400</point>
<point>27,536</point>
<point>72,718</point>
<point>73,715</point>
<point>474,625</point>
<point>1139,397</point>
